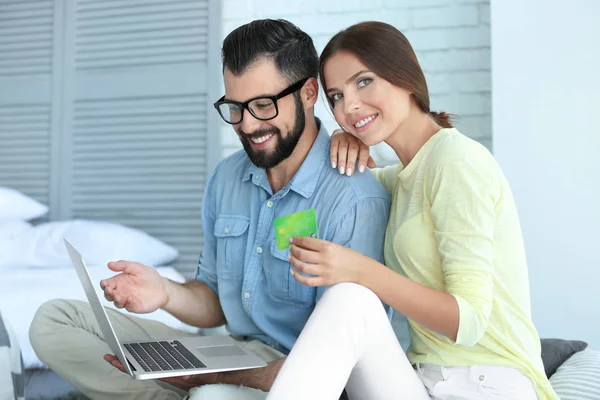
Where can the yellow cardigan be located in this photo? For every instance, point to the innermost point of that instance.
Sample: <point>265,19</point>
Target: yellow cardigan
<point>454,227</point>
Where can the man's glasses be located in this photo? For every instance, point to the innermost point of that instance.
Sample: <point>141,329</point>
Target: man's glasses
<point>263,108</point>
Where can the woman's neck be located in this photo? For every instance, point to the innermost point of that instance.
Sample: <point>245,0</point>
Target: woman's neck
<point>411,135</point>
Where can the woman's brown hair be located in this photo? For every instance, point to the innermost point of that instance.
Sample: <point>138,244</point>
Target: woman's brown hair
<point>387,53</point>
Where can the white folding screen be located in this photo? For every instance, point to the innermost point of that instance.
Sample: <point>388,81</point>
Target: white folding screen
<point>26,48</point>
<point>111,118</point>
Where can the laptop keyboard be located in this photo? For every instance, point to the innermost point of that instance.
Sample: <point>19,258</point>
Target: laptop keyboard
<point>163,356</point>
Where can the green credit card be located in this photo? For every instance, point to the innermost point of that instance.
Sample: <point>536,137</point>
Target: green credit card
<point>303,223</point>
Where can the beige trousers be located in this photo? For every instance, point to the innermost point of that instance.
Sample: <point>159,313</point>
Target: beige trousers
<point>66,337</point>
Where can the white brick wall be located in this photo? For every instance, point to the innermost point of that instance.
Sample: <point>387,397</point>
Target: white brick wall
<point>451,38</point>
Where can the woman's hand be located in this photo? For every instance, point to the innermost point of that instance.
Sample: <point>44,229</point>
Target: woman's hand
<point>328,263</point>
<point>346,149</point>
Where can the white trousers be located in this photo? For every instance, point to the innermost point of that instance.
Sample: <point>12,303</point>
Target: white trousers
<point>349,342</point>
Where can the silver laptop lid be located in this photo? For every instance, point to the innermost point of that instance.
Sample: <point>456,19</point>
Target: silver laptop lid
<point>105,326</point>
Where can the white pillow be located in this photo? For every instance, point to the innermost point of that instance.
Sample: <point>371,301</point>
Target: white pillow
<point>578,377</point>
<point>15,205</point>
<point>9,229</point>
<point>98,242</point>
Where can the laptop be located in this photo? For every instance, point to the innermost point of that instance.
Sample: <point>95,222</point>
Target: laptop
<point>154,359</point>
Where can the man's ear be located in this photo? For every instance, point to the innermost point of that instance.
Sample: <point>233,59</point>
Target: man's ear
<point>310,92</point>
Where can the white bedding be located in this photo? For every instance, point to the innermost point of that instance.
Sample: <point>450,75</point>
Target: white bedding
<point>23,290</point>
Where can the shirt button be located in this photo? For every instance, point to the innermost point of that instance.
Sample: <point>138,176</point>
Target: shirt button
<point>227,230</point>
<point>259,250</point>
<point>269,204</point>
<point>247,295</point>
<point>481,377</point>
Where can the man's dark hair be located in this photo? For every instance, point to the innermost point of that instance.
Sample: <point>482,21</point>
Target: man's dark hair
<point>291,49</point>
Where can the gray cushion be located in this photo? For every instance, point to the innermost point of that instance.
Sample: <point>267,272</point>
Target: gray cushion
<point>579,377</point>
<point>45,384</point>
<point>557,351</point>
<point>12,383</point>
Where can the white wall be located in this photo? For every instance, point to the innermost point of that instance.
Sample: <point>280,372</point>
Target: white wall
<point>451,38</point>
<point>546,102</point>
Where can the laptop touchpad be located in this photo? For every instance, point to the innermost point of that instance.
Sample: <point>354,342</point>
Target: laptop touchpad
<point>221,351</point>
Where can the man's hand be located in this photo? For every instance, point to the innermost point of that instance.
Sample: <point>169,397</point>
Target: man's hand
<point>185,382</point>
<point>138,288</point>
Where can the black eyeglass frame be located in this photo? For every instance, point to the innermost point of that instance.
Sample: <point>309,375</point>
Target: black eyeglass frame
<point>245,105</point>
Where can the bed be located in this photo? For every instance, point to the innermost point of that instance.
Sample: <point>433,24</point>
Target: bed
<point>35,267</point>
<point>23,290</point>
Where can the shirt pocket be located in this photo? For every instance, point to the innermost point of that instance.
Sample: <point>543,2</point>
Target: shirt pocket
<point>281,285</point>
<point>231,232</point>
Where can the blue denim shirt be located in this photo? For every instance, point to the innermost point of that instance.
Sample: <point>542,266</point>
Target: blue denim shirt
<point>240,260</point>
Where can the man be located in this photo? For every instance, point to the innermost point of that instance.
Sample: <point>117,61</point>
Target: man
<point>243,279</point>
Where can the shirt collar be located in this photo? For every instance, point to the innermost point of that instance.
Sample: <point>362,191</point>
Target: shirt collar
<point>305,181</point>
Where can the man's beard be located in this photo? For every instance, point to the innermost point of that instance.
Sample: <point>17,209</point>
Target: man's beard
<point>285,146</point>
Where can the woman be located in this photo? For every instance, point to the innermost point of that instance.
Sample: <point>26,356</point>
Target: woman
<point>457,266</point>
